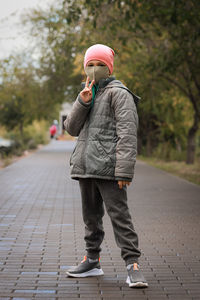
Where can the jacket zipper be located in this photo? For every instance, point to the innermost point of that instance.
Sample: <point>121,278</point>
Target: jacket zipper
<point>86,136</point>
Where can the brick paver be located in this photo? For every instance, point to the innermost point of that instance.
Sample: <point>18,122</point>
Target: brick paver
<point>41,233</point>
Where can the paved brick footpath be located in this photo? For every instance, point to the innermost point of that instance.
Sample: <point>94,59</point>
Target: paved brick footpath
<point>41,233</point>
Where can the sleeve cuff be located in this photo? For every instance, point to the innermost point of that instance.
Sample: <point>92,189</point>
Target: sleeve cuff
<point>84,103</point>
<point>124,179</point>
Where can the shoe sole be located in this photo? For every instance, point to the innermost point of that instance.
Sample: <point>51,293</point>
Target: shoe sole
<point>93,272</point>
<point>138,284</point>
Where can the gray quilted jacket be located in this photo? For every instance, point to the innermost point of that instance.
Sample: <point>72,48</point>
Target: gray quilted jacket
<point>107,133</point>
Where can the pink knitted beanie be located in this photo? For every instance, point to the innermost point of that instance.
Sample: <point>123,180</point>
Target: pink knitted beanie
<point>102,53</point>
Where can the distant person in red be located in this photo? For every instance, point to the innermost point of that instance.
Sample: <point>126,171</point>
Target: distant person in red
<point>53,130</point>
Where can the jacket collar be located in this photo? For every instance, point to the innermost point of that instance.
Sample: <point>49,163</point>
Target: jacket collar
<point>119,84</point>
<point>104,82</point>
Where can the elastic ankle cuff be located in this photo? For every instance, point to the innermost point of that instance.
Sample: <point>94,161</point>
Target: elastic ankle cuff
<point>92,256</point>
<point>131,262</point>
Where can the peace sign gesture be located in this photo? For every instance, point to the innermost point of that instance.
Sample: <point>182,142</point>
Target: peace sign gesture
<point>86,93</point>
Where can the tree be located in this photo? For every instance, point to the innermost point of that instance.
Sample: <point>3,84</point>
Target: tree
<point>57,42</point>
<point>18,94</point>
<point>176,55</point>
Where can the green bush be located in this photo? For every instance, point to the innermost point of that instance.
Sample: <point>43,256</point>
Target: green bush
<point>165,152</point>
<point>32,144</point>
<point>33,135</point>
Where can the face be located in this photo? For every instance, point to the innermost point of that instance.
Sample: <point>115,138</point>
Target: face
<point>94,63</point>
<point>97,70</point>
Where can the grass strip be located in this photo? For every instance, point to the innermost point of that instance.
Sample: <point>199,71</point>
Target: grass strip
<point>179,168</point>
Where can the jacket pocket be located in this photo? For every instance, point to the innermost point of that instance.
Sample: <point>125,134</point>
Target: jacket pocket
<point>100,160</point>
<point>108,149</point>
<point>70,161</point>
<point>77,155</point>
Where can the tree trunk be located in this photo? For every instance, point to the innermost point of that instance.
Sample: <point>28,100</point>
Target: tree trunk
<point>139,145</point>
<point>191,140</point>
<point>21,129</point>
<point>149,145</point>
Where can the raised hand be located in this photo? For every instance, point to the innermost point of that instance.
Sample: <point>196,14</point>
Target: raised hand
<point>86,93</point>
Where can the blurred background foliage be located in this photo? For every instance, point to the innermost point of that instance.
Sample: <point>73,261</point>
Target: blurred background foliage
<point>157,46</point>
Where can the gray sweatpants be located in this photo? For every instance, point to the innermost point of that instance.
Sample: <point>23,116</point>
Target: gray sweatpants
<point>94,193</point>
